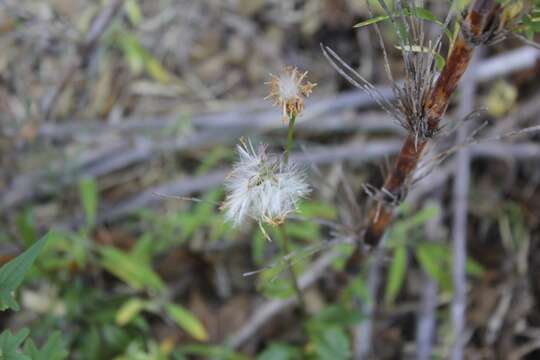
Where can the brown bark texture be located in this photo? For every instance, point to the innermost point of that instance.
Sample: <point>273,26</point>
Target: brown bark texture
<point>476,28</point>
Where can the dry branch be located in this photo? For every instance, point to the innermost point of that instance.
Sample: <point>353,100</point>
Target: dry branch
<point>480,17</point>
<point>186,186</point>
<point>85,51</point>
<point>459,226</point>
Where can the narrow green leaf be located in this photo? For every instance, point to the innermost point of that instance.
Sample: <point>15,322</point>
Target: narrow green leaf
<point>440,62</point>
<point>130,269</point>
<point>89,197</point>
<point>12,274</point>
<point>396,274</point>
<point>129,310</point>
<point>26,227</point>
<point>427,15</point>
<point>187,321</point>
<point>433,261</point>
<point>317,209</point>
<point>133,11</point>
<point>419,12</point>
<point>277,351</point>
<point>372,21</point>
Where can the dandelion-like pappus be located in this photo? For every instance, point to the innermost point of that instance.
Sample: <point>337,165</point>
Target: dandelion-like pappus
<point>262,187</point>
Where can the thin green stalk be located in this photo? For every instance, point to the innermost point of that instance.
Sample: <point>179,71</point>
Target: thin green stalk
<point>281,227</point>
<point>285,249</point>
<point>290,137</point>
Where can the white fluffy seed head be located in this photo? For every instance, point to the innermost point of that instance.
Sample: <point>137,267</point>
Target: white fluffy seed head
<point>288,86</point>
<point>262,187</point>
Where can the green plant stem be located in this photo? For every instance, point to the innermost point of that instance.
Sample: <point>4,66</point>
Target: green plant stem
<point>285,249</point>
<point>290,137</point>
<point>286,244</point>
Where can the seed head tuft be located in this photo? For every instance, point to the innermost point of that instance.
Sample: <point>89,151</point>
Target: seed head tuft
<point>262,187</point>
<point>288,91</point>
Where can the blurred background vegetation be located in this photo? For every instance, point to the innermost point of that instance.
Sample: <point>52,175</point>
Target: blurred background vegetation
<point>118,124</point>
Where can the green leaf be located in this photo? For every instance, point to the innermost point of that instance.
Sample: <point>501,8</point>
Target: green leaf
<point>472,267</point>
<point>211,352</point>
<point>271,284</point>
<point>187,321</point>
<point>434,260</point>
<point>129,310</point>
<point>276,289</point>
<point>143,249</point>
<point>130,269</point>
<point>277,351</point>
<point>359,289</point>
<point>258,246</point>
<point>307,231</point>
<point>53,349</point>
<point>133,11</point>
<point>396,274</point>
<point>440,61</point>
<point>9,345</point>
<point>26,227</point>
<point>373,20</point>
<point>402,227</point>
<point>12,274</point>
<point>89,197</point>
<point>421,217</point>
<point>317,209</point>
<point>332,344</point>
<point>140,59</point>
<point>335,315</point>
<point>427,15</point>
<point>419,12</point>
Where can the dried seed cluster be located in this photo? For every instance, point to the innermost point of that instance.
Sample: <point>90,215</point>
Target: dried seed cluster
<point>413,95</point>
<point>288,91</point>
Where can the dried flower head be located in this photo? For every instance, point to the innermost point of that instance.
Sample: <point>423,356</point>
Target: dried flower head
<point>288,91</point>
<point>262,187</point>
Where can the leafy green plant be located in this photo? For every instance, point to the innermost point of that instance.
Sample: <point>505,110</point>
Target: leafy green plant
<point>303,234</point>
<point>207,352</point>
<point>12,348</point>
<point>12,274</point>
<point>187,321</point>
<point>11,277</point>
<point>435,259</point>
<point>279,351</point>
<point>328,337</point>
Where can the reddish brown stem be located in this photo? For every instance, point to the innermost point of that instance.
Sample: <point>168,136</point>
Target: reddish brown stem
<point>479,21</point>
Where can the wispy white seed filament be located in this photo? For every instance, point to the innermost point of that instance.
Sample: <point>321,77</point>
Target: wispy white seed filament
<point>262,187</point>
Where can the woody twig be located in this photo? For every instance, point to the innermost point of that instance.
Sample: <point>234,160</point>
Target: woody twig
<point>477,28</point>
